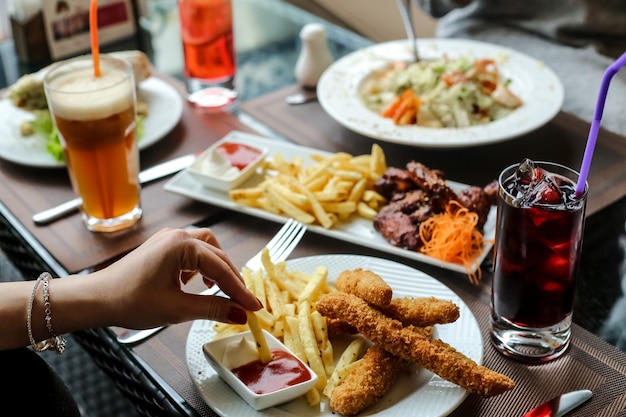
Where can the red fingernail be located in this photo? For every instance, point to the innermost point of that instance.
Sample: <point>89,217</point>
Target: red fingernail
<point>260,303</point>
<point>237,316</point>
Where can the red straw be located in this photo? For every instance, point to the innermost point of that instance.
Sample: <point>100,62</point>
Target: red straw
<point>93,33</point>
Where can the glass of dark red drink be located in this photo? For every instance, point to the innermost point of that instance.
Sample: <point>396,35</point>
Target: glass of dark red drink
<point>537,251</point>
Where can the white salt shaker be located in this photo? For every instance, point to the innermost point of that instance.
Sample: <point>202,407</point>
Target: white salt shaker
<point>314,56</point>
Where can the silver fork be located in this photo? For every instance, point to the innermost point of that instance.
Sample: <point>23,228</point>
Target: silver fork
<point>279,247</point>
<point>407,20</point>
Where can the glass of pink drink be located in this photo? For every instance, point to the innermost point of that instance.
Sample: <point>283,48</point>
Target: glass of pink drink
<point>537,251</point>
<point>209,52</point>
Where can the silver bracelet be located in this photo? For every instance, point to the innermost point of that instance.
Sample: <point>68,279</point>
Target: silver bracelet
<point>54,342</point>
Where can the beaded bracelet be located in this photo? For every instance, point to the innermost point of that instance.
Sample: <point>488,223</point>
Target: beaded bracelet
<point>54,342</point>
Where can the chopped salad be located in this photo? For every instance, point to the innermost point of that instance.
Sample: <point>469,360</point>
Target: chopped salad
<point>440,93</point>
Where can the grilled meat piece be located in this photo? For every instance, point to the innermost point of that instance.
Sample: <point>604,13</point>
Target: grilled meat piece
<point>397,227</point>
<point>475,199</point>
<point>424,177</point>
<point>394,181</point>
<point>417,193</point>
<point>491,191</point>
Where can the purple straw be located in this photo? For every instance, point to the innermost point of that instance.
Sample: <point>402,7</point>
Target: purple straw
<point>595,124</point>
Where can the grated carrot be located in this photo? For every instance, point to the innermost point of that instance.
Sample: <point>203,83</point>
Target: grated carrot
<point>93,36</point>
<point>452,237</point>
<point>403,110</point>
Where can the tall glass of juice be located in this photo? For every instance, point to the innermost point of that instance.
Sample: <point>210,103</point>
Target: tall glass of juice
<point>209,53</point>
<point>537,251</point>
<point>96,120</point>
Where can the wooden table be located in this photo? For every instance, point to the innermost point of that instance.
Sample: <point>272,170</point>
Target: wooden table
<point>154,373</point>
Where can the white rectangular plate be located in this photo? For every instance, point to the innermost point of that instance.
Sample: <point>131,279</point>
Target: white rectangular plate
<point>358,230</point>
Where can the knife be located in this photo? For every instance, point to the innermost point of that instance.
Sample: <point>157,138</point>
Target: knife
<point>130,336</point>
<point>559,406</point>
<point>158,171</point>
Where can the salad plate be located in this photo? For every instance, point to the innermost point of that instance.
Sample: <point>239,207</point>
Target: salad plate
<point>357,230</point>
<point>417,389</point>
<point>538,87</point>
<point>165,108</point>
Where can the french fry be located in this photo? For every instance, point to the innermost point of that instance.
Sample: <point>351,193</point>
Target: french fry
<point>293,327</point>
<point>224,329</point>
<point>346,174</point>
<point>329,196</point>
<point>321,334</point>
<point>317,281</point>
<point>258,287</point>
<point>350,355</point>
<point>338,376</point>
<point>246,274</point>
<point>317,184</point>
<point>288,337</point>
<point>290,308</point>
<point>264,350</point>
<point>266,318</point>
<point>289,208</point>
<point>313,397</point>
<point>241,194</point>
<point>316,207</point>
<point>343,208</point>
<point>275,301</point>
<point>286,283</point>
<point>309,342</point>
<point>378,163</point>
<point>365,211</point>
<point>278,329</point>
<point>298,199</point>
<point>357,192</point>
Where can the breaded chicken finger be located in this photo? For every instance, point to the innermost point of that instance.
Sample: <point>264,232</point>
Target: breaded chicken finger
<point>367,382</point>
<point>365,284</point>
<point>421,312</point>
<point>337,327</point>
<point>410,345</point>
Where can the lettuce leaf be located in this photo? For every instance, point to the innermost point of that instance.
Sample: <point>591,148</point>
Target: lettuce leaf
<point>43,125</point>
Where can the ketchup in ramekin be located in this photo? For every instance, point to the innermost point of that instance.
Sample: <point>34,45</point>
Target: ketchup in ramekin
<point>284,370</point>
<point>240,155</point>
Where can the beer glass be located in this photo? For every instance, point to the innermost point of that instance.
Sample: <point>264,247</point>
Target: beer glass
<point>96,121</point>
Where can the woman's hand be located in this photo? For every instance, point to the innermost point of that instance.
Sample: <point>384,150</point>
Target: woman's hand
<point>143,289</point>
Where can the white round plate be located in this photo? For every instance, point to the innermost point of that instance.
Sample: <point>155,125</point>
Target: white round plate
<point>537,85</point>
<point>165,108</point>
<point>416,390</point>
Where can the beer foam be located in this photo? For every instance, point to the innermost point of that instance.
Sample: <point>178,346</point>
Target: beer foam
<point>81,96</point>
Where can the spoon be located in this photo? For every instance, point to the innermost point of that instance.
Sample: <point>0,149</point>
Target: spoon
<point>301,97</point>
<point>407,19</point>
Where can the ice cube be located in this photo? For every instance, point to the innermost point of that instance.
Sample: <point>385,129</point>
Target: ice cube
<point>524,177</point>
<point>546,191</point>
<point>525,173</point>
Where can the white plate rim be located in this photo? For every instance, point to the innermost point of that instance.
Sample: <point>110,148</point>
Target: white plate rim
<point>536,84</point>
<point>443,396</point>
<point>358,231</point>
<point>165,111</point>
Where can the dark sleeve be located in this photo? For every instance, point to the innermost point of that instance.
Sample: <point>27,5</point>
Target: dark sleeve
<point>31,387</point>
